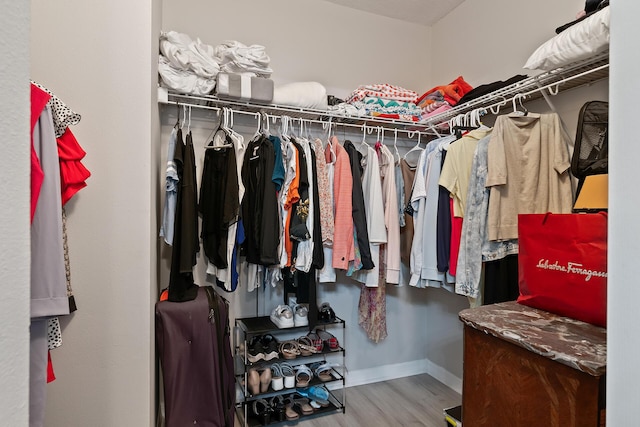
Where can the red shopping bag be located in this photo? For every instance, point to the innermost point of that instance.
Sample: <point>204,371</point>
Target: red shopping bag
<point>562,264</point>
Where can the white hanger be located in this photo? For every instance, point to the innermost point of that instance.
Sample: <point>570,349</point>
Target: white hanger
<point>416,148</point>
<point>516,112</point>
<point>395,144</point>
<point>365,130</point>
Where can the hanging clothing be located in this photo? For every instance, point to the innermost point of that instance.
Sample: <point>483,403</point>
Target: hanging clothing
<point>278,165</point>
<point>475,246</point>
<point>359,212</point>
<point>528,171</point>
<point>501,280</point>
<point>343,246</point>
<point>406,234</point>
<point>219,202</point>
<point>171,190</point>
<point>325,193</point>
<point>418,206</point>
<point>73,174</point>
<point>260,205</point>
<point>317,258</point>
<point>225,276</point>
<point>443,243</point>
<point>372,307</point>
<point>305,210</point>
<point>287,198</point>
<point>391,221</point>
<point>185,239</point>
<point>374,214</point>
<point>429,274</point>
<point>48,277</point>
<point>399,193</point>
<point>328,156</point>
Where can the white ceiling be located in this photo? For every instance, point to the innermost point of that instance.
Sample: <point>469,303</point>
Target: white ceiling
<point>425,12</point>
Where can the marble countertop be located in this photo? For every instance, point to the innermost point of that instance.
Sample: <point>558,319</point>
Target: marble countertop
<point>571,342</point>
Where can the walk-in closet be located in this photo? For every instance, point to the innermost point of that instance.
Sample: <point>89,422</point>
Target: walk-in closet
<point>310,213</point>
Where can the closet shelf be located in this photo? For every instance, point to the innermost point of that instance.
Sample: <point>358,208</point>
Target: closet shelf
<point>561,79</point>
<point>542,85</point>
<point>212,102</point>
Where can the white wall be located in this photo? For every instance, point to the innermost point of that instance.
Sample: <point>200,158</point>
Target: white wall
<point>488,41</point>
<point>313,40</point>
<point>99,58</point>
<point>14,210</point>
<point>623,345</point>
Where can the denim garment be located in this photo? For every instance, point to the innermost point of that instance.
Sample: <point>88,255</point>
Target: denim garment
<point>475,246</point>
<point>171,190</point>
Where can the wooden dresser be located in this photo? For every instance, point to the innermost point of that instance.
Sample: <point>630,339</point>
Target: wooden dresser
<point>527,367</point>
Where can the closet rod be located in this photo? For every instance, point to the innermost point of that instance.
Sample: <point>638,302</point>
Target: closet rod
<point>541,89</point>
<point>365,126</point>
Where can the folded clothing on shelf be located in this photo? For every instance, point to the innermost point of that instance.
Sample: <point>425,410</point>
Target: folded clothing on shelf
<point>191,66</point>
<point>235,57</point>
<point>186,65</point>
<point>450,93</point>
<point>384,91</point>
<point>245,87</point>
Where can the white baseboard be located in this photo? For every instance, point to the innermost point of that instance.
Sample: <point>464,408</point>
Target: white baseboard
<point>400,370</point>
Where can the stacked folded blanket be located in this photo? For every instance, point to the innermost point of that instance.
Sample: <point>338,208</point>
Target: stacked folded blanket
<point>190,66</point>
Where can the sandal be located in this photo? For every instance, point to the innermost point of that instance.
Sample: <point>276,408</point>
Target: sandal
<point>289,349</point>
<point>316,341</point>
<point>288,374</point>
<point>306,346</point>
<point>277,408</point>
<point>323,370</point>
<point>277,382</point>
<point>262,410</point>
<point>289,412</point>
<point>329,340</point>
<point>303,375</point>
<point>315,392</point>
<point>304,406</point>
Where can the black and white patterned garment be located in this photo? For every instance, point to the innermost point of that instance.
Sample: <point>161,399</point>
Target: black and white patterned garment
<point>63,116</point>
<point>54,333</point>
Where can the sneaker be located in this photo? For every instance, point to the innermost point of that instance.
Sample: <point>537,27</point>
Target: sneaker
<point>300,315</point>
<point>255,351</point>
<point>282,316</point>
<point>270,345</point>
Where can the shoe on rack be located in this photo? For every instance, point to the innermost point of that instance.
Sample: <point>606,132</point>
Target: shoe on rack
<point>270,346</point>
<point>255,351</point>
<point>282,317</point>
<point>326,313</point>
<point>300,315</point>
<point>317,393</point>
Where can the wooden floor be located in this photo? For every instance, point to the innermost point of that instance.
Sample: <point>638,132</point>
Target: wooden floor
<point>410,401</point>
